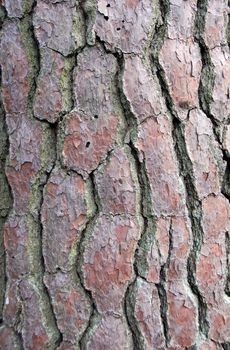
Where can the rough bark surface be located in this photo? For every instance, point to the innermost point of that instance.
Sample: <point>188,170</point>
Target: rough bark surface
<point>114,174</point>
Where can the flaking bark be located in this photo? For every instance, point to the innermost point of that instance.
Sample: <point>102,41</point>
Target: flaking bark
<point>114,179</point>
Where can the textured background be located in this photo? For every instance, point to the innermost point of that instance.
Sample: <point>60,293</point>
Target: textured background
<point>114,180</point>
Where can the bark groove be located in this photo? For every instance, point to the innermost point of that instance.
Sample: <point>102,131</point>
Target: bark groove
<point>114,178</point>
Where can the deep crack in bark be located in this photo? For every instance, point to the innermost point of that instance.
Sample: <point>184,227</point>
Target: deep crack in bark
<point>195,214</point>
<point>185,168</point>
<point>79,262</point>
<point>205,93</point>
<point>161,286</point>
<point>186,173</point>
<point>6,199</point>
<point>132,124</point>
<point>227,243</point>
<point>60,339</point>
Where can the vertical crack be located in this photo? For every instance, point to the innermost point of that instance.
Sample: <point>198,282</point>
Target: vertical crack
<point>3,15</point>
<point>205,98</point>
<point>37,192</point>
<point>131,123</point>
<point>195,214</point>
<point>54,128</point>
<point>129,313</point>
<point>33,54</point>
<point>225,190</point>
<point>6,198</point>
<point>163,303</point>
<point>227,243</point>
<point>48,159</point>
<point>36,58</point>
<point>71,81</point>
<point>93,196</point>
<point>228,26</point>
<point>144,203</point>
<point>145,208</point>
<point>207,78</point>
<point>131,128</point>
<point>142,180</point>
<point>157,43</point>
<point>185,170</point>
<point>5,192</point>
<point>89,10</point>
<point>162,290</point>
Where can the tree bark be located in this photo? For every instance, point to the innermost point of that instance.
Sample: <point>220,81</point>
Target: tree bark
<point>115,158</point>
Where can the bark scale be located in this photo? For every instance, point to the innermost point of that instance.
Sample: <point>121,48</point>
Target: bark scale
<point>115,148</point>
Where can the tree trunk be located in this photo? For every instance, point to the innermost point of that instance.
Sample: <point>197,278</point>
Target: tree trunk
<point>115,158</point>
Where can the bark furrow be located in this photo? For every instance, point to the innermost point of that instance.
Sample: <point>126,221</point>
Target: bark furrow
<point>114,174</point>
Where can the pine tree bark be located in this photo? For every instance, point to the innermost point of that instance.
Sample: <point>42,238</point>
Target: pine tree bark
<point>115,158</point>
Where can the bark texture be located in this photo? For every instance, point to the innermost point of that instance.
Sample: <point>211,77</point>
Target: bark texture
<point>114,180</point>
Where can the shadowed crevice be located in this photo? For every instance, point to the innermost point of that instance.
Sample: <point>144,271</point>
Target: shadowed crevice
<point>128,138</point>
<point>207,78</point>
<point>205,93</point>
<point>227,243</point>
<point>142,178</point>
<point>42,189</point>
<point>6,199</point>
<point>195,214</point>
<point>161,286</point>
<point>85,234</point>
<point>225,346</point>
<point>185,170</point>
